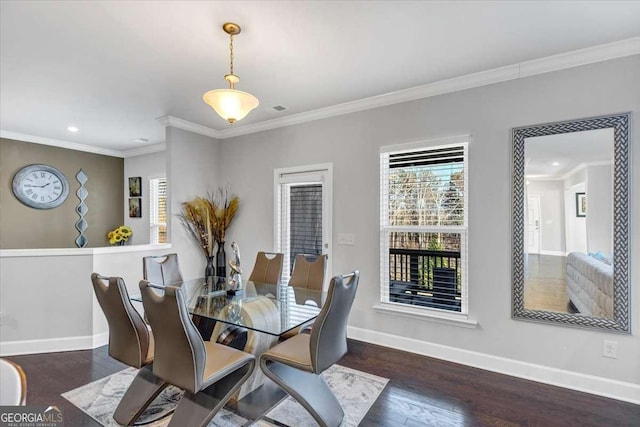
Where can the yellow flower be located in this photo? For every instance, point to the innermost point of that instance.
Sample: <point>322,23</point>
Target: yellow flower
<point>119,234</point>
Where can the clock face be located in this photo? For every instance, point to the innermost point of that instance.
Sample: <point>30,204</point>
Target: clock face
<point>40,186</point>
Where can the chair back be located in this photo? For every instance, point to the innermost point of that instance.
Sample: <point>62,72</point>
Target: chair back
<point>180,354</point>
<point>308,271</point>
<point>268,268</point>
<point>161,269</point>
<point>328,339</point>
<point>13,384</point>
<point>128,333</point>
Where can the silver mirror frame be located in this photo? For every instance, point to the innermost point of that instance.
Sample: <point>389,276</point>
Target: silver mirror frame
<point>621,217</point>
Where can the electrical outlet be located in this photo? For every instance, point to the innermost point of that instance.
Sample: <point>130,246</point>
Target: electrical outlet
<point>610,349</point>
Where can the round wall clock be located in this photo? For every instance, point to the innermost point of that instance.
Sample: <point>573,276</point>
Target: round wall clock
<point>40,186</point>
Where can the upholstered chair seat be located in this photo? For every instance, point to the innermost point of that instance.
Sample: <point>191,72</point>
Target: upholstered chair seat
<point>267,268</point>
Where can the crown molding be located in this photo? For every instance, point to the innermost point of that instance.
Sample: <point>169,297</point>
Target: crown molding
<point>576,58</point>
<point>547,64</point>
<point>179,123</point>
<point>59,143</point>
<point>147,149</point>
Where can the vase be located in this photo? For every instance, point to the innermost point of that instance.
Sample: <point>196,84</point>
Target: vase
<point>210,269</point>
<point>221,261</point>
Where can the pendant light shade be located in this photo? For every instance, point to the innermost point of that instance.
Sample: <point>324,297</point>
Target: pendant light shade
<point>231,104</point>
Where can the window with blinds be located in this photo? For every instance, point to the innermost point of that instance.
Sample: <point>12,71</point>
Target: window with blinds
<point>424,225</point>
<point>158,210</point>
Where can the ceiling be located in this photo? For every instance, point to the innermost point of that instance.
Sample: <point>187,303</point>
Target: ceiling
<point>112,68</point>
<point>554,156</point>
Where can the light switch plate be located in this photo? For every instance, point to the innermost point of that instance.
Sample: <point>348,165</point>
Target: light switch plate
<point>346,239</point>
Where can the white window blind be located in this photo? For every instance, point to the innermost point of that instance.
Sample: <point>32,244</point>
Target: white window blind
<point>158,210</point>
<point>423,225</point>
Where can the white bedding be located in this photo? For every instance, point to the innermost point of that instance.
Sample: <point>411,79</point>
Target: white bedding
<point>590,285</point>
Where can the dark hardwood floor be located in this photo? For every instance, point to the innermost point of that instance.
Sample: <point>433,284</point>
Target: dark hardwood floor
<point>421,392</point>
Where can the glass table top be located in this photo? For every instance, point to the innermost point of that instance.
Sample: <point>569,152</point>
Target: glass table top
<point>269,308</point>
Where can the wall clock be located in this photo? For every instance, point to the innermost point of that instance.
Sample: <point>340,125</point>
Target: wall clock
<point>40,186</point>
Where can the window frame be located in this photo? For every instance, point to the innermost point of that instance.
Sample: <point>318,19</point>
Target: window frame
<point>316,173</point>
<point>154,227</point>
<point>386,229</point>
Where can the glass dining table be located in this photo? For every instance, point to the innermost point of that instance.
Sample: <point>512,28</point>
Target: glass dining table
<point>272,309</point>
<point>252,318</point>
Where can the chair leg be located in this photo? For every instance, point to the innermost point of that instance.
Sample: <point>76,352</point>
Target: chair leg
<point>309,389</point>
<point>199,408</point>
<point>144,388</point>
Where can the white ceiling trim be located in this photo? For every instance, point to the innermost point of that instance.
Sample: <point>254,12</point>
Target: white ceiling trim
<point>147,149</point>
<point>176,122</point>
<point>547,64</point>
<point>59,143</point>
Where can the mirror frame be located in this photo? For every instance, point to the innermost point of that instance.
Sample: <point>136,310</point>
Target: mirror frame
<point>621,217</point>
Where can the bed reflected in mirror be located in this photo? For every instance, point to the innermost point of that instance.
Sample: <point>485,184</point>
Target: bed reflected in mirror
<point>571,223</point>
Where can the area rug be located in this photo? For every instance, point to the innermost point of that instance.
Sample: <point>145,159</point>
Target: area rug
<point>356,391</point>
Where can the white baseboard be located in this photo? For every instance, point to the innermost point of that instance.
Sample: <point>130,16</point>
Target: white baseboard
<point>53,345</point>
<point>619,390</point>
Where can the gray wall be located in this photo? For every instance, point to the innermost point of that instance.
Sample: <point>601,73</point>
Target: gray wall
<point>600,209</point>
<point>193,166</point>
<point>351,142</point>
<point>147,166</point>
<point>22,227</point>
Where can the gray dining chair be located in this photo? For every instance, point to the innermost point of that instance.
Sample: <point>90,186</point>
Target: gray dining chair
<point>308,273</point>
<point>161,269</point>
<point>130,342</point>
<point>210,373</point>
<point>267,268</point>
<point>295,365</point>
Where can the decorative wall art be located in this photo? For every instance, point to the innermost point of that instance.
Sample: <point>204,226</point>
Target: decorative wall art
<point>135,208</point>
<point>135,186</point>
<point>581,204</point>
<point>82,209</point>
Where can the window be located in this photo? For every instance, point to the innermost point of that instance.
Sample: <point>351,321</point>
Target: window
<point>303,206</point>
<point>423,224</point>
<point>158,210</point>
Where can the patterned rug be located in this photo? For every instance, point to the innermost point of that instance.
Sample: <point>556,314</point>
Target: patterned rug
<point>356,391</point>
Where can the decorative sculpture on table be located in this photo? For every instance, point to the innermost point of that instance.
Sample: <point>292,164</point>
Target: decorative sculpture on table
<point>235,279</point>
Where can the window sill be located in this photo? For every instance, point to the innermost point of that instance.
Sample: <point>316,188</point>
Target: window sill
<point>461,320</point>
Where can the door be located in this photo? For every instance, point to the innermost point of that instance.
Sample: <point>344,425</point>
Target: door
<point>303,213</point>
<point>533,224</point>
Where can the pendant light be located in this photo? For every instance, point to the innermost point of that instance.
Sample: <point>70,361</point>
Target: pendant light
<point>231,104</point>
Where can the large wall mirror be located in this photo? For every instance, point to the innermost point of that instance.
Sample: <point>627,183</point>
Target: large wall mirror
<point>571,223</point>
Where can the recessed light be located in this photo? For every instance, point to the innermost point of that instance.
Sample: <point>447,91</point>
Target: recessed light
<point>72,129</point>
<point>279,108</point>
<point>141,140</point>
<point>555,164</point>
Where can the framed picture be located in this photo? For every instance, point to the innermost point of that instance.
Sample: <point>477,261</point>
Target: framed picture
<point>135,208</point>
<point>581,204</point>
<point>135,186</point>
